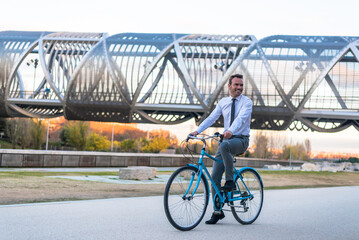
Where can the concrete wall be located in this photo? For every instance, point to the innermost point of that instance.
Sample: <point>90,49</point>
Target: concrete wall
<point>41,158</point>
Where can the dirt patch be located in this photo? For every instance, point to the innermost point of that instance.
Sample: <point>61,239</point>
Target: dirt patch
<point>309,179</point>
<point>41,189</point>
<point>24,189</point>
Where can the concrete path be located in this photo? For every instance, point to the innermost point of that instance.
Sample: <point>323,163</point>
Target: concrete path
<point>322,213</point>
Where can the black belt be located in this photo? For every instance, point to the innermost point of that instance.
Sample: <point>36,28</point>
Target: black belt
<point>239,136</point>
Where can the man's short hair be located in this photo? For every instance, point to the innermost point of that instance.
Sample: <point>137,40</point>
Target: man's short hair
<point>235,76</point>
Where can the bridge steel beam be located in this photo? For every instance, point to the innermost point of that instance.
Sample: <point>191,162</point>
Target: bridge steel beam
<point>295,82</point>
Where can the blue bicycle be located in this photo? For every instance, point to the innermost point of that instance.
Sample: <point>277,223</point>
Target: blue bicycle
<point>187,193</point>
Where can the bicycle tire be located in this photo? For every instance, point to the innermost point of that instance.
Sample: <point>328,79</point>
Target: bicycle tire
<point>249,208</point>
<point>185,212</point>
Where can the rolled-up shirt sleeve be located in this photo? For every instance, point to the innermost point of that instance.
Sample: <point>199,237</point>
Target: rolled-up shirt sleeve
<point>216,113</point>
<point>244,116</point>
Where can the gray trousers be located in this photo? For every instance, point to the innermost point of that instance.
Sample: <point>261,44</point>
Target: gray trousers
<point>225,152</point>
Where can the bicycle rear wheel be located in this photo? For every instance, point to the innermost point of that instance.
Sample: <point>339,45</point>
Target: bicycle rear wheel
<point>184,210</point>
<point>246,211</point>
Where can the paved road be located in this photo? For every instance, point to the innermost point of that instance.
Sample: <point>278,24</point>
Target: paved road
<point>323,213</point>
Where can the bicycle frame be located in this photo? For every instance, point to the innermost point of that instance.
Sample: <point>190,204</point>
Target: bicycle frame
<point>224,197</point>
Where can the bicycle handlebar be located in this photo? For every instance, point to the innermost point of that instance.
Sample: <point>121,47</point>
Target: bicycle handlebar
<point>216,134</point>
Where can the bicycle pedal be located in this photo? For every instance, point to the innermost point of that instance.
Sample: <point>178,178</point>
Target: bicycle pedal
<point>244,194</point>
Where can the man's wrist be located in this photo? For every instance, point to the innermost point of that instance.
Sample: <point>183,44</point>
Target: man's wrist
<point>228,131</point>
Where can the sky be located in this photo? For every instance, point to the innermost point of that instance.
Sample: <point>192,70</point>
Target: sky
<point>260,18</point>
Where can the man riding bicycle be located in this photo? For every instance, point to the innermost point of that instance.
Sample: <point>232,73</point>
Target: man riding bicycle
<point>236,111</point>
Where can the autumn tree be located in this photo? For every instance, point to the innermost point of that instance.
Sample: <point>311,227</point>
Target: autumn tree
<point>140,143</point>
<point>171,139</point>
<point>261,145</point>
<point>133,133</point>
<point>116,145</point>
<point>38,134</point>
<point>128,145</point>
<point>276,141</point>
<point>96,142</point>
<point>308,147</point>
<point>156,144</point>
<point>296,152</point>
<point>24,132</point>
<point>76,133</point>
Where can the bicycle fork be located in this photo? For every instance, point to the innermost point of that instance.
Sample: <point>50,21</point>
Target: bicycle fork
<point>184,197</point>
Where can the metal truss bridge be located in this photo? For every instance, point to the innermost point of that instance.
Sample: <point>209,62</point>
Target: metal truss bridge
<point>295,82</point>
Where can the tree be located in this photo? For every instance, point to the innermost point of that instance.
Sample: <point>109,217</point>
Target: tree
<point>38,133</point>
<point>126,132</point>
<point>62,136</point>
<point>128,145</point>
<point>261,145</point>
<point>140,143</point>
<point>24,132</point>
<point>76,134</point>
<point>296,152</point>
<point>13,131</point>
<point>2,124</point>
<point>286,152</point>
<point>308,147</point>
<point>96,142</point>
<point>247,154</point>
<point>156,144</point>
<point>353,160</point>
<point>276,141</point>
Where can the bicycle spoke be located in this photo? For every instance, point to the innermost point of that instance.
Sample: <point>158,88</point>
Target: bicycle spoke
<point>251,185</point>
<point>197,208</point>
<point>185,211</point>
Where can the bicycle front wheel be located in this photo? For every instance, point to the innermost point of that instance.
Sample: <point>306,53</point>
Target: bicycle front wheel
<point>185,210</point>
<point>246,211</point>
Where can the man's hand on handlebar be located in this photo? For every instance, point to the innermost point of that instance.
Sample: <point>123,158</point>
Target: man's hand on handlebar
<point>227,134</point>
<point>195,133</point>
<point>192,134</point>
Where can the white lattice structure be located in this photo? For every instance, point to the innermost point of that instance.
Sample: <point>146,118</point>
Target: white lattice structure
<point>303,82</point>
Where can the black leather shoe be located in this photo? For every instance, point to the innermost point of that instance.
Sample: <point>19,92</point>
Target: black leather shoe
<point>215,218</point>
<point>229,186</point>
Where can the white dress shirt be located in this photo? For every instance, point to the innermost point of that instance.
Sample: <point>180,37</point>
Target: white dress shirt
<point>242,116</point>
